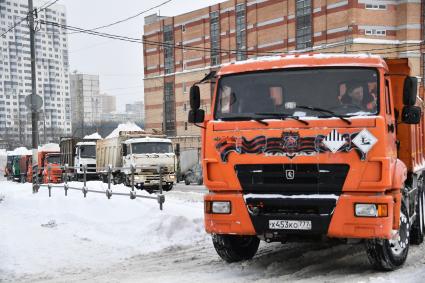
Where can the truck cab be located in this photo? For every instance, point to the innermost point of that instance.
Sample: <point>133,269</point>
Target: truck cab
<point>147,154</point>
<point>85,155</point>
<point>310,146</point>
<point>52,161</point>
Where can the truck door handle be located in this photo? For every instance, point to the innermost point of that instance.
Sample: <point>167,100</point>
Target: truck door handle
<point>391,128</point>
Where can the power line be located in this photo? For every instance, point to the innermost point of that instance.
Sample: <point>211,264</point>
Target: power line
<point>119,88</point>
<point>128,18</point>
<point>26,18</point>
<point>219,50</point>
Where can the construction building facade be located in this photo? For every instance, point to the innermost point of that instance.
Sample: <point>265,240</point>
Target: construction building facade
<point>178,51</point>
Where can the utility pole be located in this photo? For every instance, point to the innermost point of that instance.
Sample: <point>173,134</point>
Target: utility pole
<point>34,115</point>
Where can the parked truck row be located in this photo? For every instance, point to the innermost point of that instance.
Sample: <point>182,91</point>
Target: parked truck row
<point>120,156</point>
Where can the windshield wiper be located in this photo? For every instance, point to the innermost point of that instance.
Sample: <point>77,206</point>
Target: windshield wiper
<point>244,118</point>
<point>283,116</point>
<point>325,111</point>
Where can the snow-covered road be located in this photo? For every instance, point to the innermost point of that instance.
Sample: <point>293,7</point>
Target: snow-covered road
<point>72,239</point>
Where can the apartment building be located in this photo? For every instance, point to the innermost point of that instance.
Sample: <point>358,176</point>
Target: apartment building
<point>180,50</point>
<point>86,102</point>
<point>108,103</point>
<point>137,109</point>
<point>15,73</point>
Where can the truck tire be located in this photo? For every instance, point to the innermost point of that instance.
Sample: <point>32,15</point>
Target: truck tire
<point>233,248</point>
<point>417,234</point>
<point>388,255</point>
<point>186,181</point>
<point>167,188</point>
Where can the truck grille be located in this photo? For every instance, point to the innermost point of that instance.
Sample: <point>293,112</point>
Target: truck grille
<point>300,192</point>
<point>292,179</point>
<point>91,168</point>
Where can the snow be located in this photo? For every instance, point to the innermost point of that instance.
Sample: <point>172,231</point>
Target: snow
<point>147,139</point>
<point>49,147</point>
<point>94,136</point>
<point>129,126</point>
<point>384,41</point>
<point>21,151</point>
<point>301,56</point>
<point>3,161</point>
<point>86,143</point>
<point>68,233</point>
<point>93,239</point>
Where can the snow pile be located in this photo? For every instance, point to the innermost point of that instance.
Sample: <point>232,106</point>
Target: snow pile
<point>49,147</point>
<point>3,161</point>
<point>69,234</point>
<point>94,136</point>
<point>129,126</point>
<point>22,151</point>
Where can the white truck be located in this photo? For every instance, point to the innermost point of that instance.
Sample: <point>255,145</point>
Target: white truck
<point>145,152</point>
<point>78,153</point>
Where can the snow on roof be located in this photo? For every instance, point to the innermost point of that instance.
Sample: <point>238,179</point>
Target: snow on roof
<point>94,136</point>
<point>303,56</point>
<point>21,151</point>
<point>86,143</point>
<point>147,139</point>
<point>129,126</point>
<point>49,147</point>
<point>383,41</point>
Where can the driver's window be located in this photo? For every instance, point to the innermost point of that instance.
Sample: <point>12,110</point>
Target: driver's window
<point>226,92</point>
<point>359,95</point>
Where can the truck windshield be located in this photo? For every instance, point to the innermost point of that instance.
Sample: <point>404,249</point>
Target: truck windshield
<point>151,147</point>
<point>88,151</point>
<point>299,92</point>
<point>53,159</point>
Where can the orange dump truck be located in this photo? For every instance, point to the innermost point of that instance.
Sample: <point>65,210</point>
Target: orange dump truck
<point>48,159</point>
<point>311,146</point>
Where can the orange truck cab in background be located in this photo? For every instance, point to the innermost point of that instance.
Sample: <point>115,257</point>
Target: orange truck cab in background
<point>46,160</point>
<point>310,146</point>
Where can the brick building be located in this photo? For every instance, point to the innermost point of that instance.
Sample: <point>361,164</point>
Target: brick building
<point>180,50</point>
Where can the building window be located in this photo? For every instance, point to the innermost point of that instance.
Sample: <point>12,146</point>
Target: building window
<point>240,32</point>
<point>169,110</point>
<point>185,126</point>
<point>215,38</point>
<point>168,49</point>
<point>303,24</point>
<point>378,32</point>
<point>376,7</point>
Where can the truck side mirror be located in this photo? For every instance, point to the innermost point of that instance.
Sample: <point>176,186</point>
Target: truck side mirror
<point>195,97</point>
<point>124,150</point>
<point>196,116</point>
<point>411,115</point>
<point>410,90</point>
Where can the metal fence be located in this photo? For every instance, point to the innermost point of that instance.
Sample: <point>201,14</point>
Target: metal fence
<point>159,196</point>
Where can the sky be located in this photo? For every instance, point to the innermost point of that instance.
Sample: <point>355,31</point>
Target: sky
<point>119,64</point>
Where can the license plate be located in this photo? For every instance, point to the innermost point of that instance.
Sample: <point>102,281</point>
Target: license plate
<point>290,224</point>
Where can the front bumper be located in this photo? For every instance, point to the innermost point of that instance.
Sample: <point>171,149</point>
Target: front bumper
<point>333,217</point>
<point>153,180</point>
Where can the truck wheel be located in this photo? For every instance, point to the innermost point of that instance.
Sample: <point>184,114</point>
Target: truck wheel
<point>233,248</point>
<point>417,234</point>
<point>186,181</point>
<point>200,181</point>
<point>387,255</point>
<point>167,188</point>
